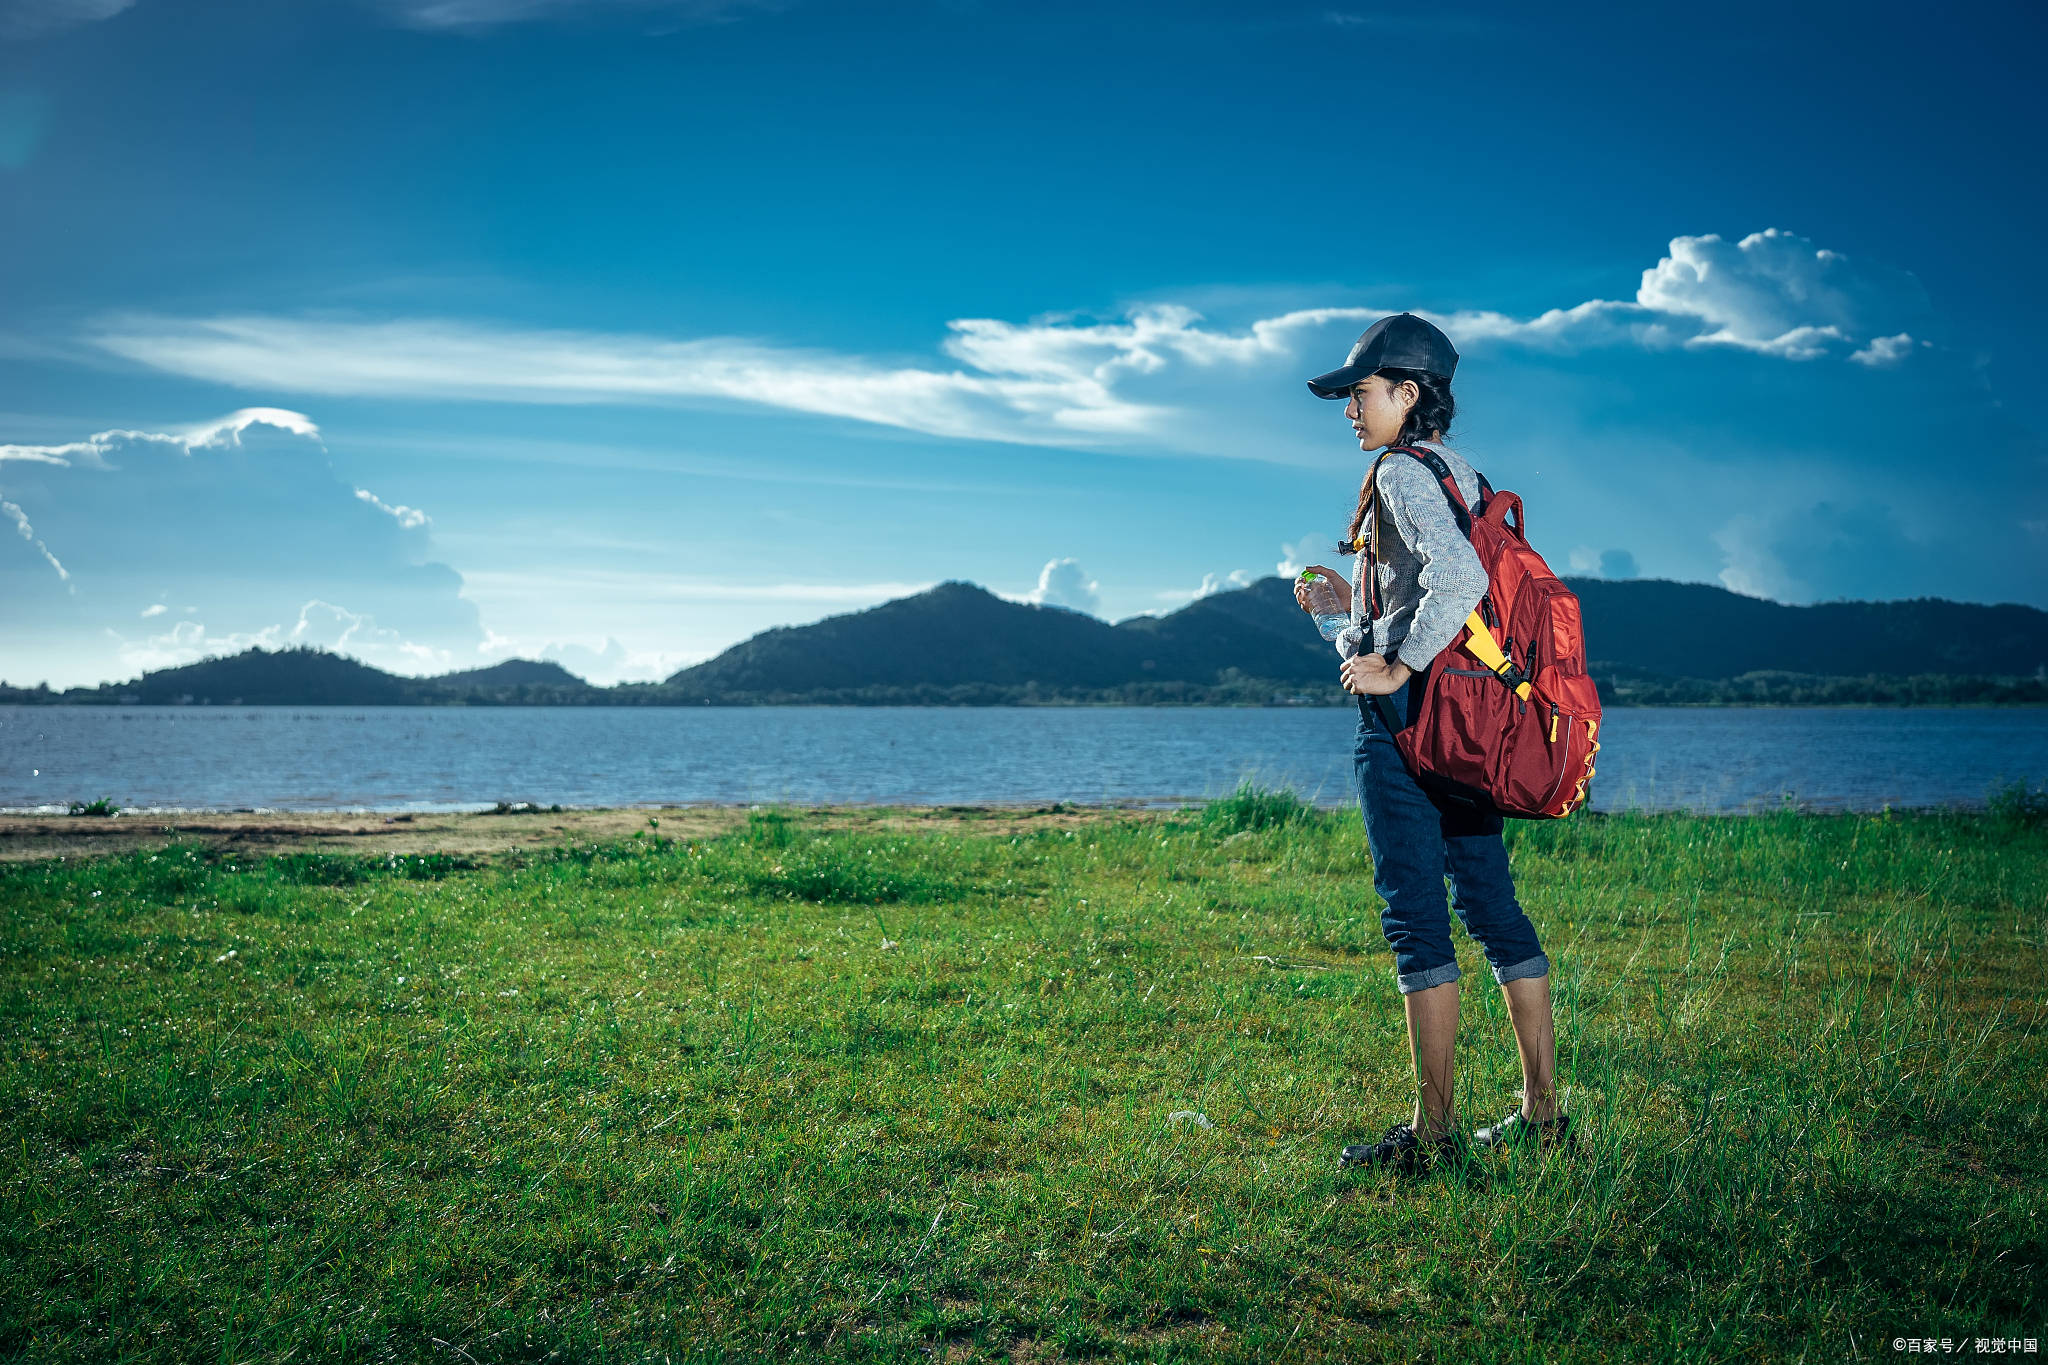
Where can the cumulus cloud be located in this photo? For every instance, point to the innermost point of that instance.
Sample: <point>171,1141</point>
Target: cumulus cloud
<point>1310,549</point>
<point>243,517</point>
<point>33,18</point>
<point>1772,293</point>
<point>318,623</point>
<point>1777,293</point>
<point>187,642</point>
<point>1885,350</point>
<point>1063,583</point>
<point>605,664</point>
<point>357,634</point>
<point>1230,582</point>
<point>220,433</point>
<point>612,662</point>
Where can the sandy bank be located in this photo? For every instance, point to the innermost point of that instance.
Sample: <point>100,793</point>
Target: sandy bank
<point>47,836</point>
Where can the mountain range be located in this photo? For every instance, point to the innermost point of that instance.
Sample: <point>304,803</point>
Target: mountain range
<point>1651,641</point>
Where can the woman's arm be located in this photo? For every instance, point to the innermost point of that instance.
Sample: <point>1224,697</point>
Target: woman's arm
<point>1452,578</point>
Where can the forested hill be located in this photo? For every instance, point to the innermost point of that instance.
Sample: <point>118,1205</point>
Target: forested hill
<point>1651,641</point>
<point>1693,630</point>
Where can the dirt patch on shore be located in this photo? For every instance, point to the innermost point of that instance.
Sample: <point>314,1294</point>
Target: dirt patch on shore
<point>485,832</point>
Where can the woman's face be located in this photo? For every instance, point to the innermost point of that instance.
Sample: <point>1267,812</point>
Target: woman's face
<point>1377,409</point>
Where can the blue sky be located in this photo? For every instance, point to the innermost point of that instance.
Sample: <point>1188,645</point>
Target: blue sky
<point>440,331</point>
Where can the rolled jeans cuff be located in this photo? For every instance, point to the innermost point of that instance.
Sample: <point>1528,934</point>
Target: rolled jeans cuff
<point>1411,982</point>
<point>1538,965</point>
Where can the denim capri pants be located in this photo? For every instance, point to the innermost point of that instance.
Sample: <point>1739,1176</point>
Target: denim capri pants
<point>1416,841</point>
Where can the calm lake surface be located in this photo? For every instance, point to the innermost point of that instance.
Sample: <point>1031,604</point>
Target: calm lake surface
<point>418,758</point>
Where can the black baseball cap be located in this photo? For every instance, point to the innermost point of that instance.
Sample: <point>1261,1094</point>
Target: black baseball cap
<point>1400,342</point>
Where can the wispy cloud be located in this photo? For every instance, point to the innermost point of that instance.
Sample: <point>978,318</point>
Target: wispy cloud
<point>1410,24</point>
<point>1149,379</point>
<point>485,14</point>
<point>434,359</point>
<point>33,18</point>
<point>407,517</point>
<point>28,533</point>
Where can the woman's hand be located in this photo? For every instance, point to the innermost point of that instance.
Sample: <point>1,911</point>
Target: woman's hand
<point>1332,586</point>
<point>1369,675</point>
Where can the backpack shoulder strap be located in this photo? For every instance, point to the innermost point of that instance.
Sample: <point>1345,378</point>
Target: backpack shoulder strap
<point>1449,483</point>
<point>1484,616</point>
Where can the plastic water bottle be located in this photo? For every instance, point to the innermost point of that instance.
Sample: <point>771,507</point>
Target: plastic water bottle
<point>1330,618</point>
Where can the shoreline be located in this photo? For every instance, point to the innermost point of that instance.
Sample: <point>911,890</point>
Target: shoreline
<point>30,836</point>
<point>27,837</point>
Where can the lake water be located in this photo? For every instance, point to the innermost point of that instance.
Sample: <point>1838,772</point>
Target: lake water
<point>417,758</point>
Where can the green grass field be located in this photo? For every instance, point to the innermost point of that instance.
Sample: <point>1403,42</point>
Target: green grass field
<point>877,1092</point>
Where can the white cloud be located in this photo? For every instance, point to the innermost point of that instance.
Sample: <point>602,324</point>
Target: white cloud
<point>1884,351</point>
<point>358,635</point>
<point>1211,584</point>
<point>28,533</point>
<point>604,665</point>
<point>1063,583</point>
<point>33,18</point>
<point>220,433</point>
<point>1776,293</point>
<point>1151,378</point>
<point>1772,293</point>
<point>428,359</point>
<point>1310,549</point>
<point>319,623</point>
<point>188,642</point>
<point>407,517</point>
<point>242,517</point>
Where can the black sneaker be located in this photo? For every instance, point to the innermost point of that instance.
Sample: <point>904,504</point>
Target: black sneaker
<point>1519,1130</point>
<point>1400,1150</point>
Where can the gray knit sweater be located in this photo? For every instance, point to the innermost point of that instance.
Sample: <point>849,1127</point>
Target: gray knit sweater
<point>1429,575</point>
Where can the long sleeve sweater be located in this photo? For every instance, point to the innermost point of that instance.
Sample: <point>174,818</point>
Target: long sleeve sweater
<point>1430,578</point>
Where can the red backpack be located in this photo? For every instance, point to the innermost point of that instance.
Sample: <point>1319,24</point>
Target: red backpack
<point>1508,719</point>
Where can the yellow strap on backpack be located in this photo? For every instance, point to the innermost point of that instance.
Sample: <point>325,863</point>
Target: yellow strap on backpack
<point>1483,648</point>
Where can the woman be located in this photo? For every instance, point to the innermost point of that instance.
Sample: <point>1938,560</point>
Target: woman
<point>1398,383</point>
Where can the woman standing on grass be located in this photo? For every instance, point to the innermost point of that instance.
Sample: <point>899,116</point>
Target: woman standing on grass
<point>1398,383</point>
